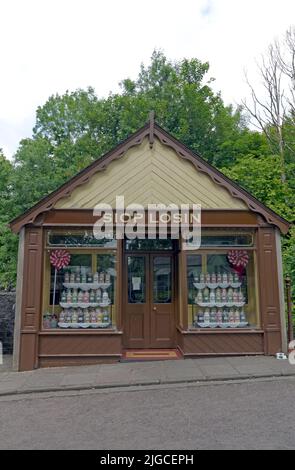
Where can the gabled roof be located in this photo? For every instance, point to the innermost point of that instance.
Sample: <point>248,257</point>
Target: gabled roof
<point>150,130</point>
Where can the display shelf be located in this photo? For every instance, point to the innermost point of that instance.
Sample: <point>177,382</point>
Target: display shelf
<point>222,325</point>
<point>85,286</point>
<point>84,305</point>
<point>222,285</point>
<point>220,304</point>
<point>84,325</point>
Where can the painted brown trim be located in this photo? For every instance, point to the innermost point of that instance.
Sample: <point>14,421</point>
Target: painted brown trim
<point>269,290</point>
<point>209,218</point>
<point>151,129</point>
<point>31,298</point>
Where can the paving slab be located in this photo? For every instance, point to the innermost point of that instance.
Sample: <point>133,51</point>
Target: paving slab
<point>218,370</point>
<point>141,373</point>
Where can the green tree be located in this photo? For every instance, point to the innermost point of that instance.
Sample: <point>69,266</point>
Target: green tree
<point>8,241</point>
<point>77,127</point>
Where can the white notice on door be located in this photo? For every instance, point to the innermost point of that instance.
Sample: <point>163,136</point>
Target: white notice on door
<point>136,281</point>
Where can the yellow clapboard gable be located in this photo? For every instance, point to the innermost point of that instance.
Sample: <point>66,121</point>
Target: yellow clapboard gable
<point>144,175</point>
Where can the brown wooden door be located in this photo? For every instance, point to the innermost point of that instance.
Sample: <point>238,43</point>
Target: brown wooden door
<point>148,301</point>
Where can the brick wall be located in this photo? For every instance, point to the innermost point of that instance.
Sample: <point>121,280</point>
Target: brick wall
<point>7,305</point>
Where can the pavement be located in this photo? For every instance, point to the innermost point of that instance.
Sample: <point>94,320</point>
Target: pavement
<point>132,374</point>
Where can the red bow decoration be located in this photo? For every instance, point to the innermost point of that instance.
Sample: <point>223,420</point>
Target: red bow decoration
<point>60,259</point>
<point>238,259</point>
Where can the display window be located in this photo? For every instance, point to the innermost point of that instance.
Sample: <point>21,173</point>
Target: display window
<point>222,287</point>
<point>80,292</point>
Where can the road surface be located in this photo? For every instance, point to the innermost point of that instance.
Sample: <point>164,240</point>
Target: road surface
<point>258,414</point>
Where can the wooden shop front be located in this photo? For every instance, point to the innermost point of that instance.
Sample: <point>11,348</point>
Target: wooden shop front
<point>224,297</point>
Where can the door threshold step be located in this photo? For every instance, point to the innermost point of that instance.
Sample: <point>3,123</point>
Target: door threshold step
<point>138,355</point>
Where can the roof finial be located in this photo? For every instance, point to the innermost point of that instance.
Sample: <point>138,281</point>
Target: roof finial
<point>152,124</point>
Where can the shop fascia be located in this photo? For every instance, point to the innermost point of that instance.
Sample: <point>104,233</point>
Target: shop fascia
<point>134,221</point>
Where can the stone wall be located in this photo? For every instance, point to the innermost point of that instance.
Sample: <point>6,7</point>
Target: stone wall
<point>7,306</point>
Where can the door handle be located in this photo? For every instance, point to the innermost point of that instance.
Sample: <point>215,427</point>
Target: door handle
<point>154,308</point>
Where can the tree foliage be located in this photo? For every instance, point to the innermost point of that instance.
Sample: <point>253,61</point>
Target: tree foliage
<point>77,127</point>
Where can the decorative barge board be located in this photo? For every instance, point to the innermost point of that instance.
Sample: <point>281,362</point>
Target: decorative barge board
<point>83,300</point>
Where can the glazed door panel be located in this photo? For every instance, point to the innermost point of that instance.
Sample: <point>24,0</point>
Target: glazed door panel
<point>136,301</point>
<point>162,301</point>
<point>148,301</point>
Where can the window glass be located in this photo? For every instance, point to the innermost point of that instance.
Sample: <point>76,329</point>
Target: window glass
<point>85,292</point>
<point>162,279</point>
<point>79,239</point>
<point>136,280</point>
<point>149,245</point>
<point>220,240</point>
<point>222,290</point>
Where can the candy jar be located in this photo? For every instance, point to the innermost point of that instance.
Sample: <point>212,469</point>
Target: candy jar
<point>230,278</point>
<point>80,297</point>
<point>69,296</point>
<point>62,316</point>
<point>240,296</point>
<point>237,316</point>
<point>243,318</point>
<point>75,317</point>
<point>89,278</point>
<point>208,278</point>
<point>69,316</point>
<point>86,315</point>
<point>78,276</point>
<point>80,316</point>
<point>93,317</point>
<point>64,296</point>
<point>225,316</point>
<point>202,278</point>
<point>219,277</point>
<point>212,296</point>
<point>98,295</point>
<point>199,297</point>
<point>196,278</point>
<point>96,277</point>
<point>67,277</point>
<point>224,278</point>
<point>46,321</point>
<point>101,278</point>
<point>86,297</point>
<point>213,278</point>
<point>231,315</point>
<point>218,294</point>
<point>106,318</point>
<point>230,295</point>
<point>72,278</point>
<point>200,316</point>
<point>213,315</point>
<point>224,295</point>
<point>235,295</point>
<point>236,278</point>
<point>219,316</point>
<point>206,294</point>
<point>105,297</point>
<point>207,316</point>
<point>83,278</point>
<point>75,296</point>
<point>107,278</point>
<point>53,321</point>
<point>92,297</point>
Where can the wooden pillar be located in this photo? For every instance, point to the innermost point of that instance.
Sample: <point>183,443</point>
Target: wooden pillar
<point>31,299</point>
<point>18,301</point>
<point>269,290</point>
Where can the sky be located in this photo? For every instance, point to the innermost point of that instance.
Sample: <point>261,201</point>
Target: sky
<point>50,46</point>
